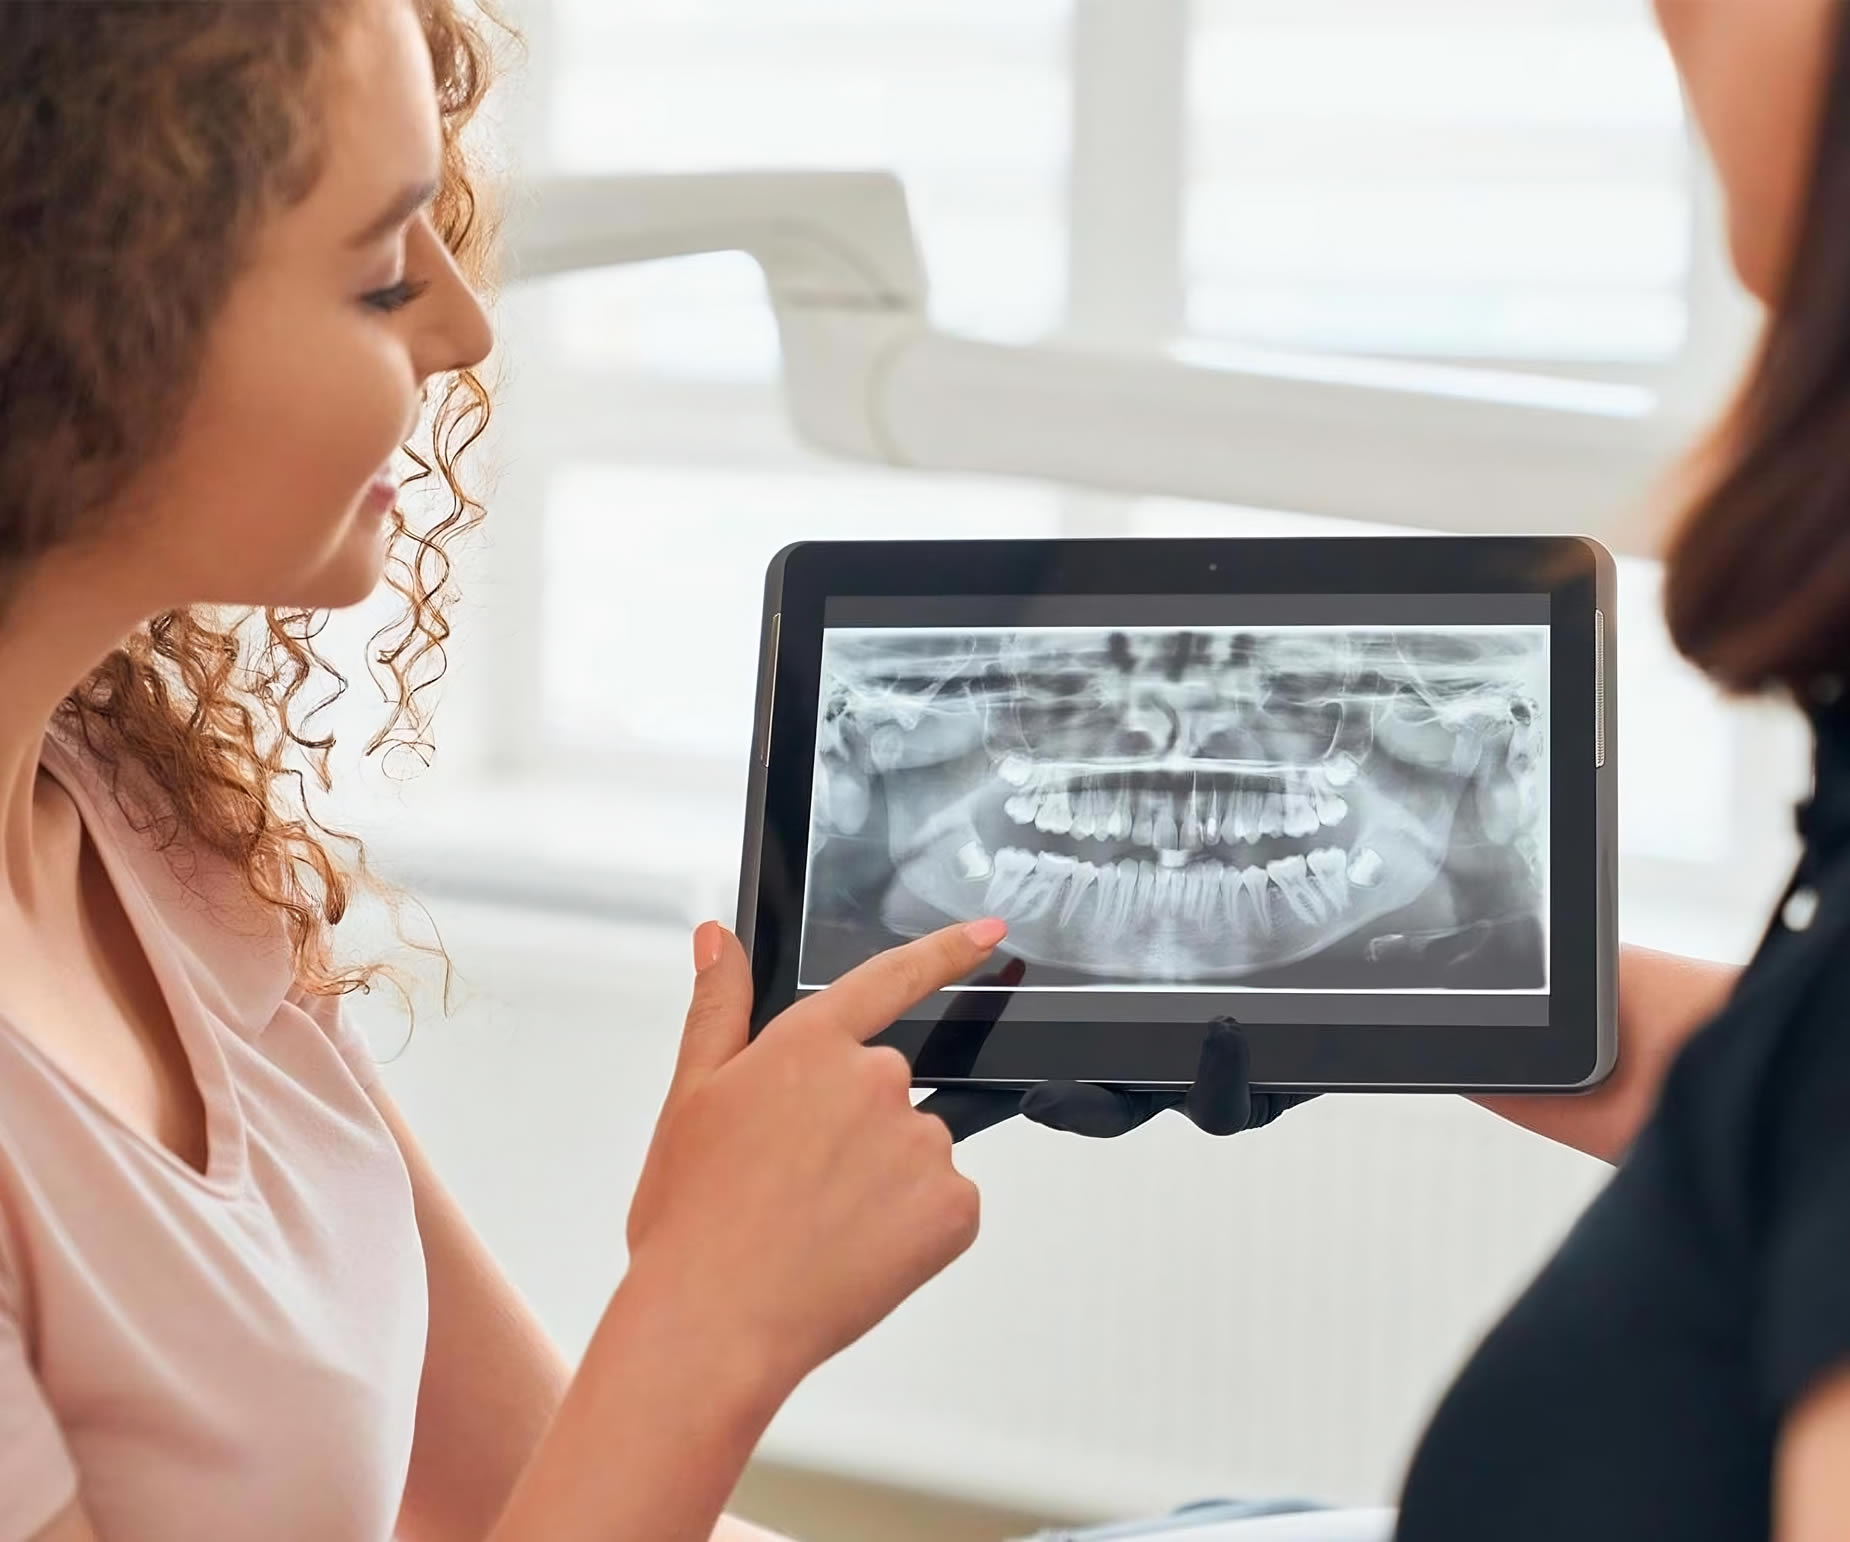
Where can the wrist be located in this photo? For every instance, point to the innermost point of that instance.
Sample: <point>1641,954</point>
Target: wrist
<point>1663,999</point>
<point>709,1332</point>
<point>666,1408</point>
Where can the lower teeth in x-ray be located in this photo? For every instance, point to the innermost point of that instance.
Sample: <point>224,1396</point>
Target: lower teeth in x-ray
<point>1186,806</point>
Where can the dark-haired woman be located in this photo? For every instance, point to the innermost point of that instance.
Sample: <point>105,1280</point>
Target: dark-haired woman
<point>1680,1371</point>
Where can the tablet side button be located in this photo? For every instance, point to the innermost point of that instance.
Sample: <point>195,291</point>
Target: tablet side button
<point>770,688</point>
<point>1599,688</point>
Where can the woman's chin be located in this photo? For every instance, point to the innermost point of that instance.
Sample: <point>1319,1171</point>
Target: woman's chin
<point>349,574</point>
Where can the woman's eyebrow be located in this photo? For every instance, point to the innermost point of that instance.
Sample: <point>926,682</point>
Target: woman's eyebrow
<point>406,204</point>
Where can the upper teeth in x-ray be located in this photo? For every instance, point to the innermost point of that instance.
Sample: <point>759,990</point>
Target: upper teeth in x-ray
<point>1180,805</point>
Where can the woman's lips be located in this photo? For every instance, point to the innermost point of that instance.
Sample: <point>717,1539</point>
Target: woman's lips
<point>381,493</point>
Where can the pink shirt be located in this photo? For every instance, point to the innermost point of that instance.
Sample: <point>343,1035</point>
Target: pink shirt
<point>227,1355</point>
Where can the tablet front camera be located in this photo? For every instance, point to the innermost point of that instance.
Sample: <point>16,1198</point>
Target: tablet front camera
<point>1292,804</point>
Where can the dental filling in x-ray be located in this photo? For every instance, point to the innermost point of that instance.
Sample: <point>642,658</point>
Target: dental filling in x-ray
<point>1284,808</point>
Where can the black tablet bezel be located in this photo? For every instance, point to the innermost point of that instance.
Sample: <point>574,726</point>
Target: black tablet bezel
<point>1576,1049</point>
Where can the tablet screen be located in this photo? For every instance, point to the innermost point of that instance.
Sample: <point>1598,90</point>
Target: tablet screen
<point>1336,807</point>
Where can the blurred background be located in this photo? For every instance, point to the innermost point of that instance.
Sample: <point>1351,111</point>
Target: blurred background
<point>1444,203</point>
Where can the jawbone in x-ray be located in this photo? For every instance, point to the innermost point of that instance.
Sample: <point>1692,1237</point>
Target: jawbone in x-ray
<point>1281,808</point>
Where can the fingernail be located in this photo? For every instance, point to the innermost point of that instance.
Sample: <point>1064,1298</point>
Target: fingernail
<point>709,936</point>
<point>987,932</point>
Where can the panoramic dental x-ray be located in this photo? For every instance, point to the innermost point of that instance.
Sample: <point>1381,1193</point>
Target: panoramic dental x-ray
<point>1284,808</point>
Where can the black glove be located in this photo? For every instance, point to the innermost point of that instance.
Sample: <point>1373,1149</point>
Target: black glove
<point>1220,1101</point>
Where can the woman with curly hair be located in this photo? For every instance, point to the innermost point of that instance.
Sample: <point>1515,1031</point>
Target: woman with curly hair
<point>237,241</point>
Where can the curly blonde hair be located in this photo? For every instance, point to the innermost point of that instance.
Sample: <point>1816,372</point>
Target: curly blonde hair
<point>143,144</point>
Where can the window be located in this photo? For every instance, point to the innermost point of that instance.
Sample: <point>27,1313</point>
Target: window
<point>1438,180</point>
<point>965,100</point>
<point>1472,195</point>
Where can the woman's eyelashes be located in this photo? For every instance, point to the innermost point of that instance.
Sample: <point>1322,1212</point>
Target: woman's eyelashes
<point>396,296</point>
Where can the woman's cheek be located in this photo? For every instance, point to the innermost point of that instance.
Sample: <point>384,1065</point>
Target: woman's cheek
<point>1761,141</point>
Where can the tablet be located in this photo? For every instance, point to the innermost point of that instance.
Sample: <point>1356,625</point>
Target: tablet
<point>1356,794</point>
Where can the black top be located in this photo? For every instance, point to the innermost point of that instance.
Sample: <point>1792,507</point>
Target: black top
<point>1637,1387</point>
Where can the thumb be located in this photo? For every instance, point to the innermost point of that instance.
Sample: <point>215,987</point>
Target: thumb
<point>719,1017</point>
<point>1221,1100</point>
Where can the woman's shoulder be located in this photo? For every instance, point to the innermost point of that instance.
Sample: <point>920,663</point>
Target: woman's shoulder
<point>230,942</point>
<point>125,809</point>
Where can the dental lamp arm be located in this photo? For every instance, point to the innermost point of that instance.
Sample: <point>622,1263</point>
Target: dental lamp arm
<point>866,376</point>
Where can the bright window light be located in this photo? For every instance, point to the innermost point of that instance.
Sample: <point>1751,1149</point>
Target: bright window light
<point>967,102</point>
<point>1505,182</point>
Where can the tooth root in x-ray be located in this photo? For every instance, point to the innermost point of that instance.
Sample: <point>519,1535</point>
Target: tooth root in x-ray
<point>1183,804</point>
<point>841,797</point>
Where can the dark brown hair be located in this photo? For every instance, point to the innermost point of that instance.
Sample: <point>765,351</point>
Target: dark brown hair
<point>143,143</point>
<point>1757,588</point>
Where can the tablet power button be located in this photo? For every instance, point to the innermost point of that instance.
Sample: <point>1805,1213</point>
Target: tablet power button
<point>770,687</point>
<point>1599,688</point>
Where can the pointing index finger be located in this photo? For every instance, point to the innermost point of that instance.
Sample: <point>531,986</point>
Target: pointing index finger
<point>867,999</point>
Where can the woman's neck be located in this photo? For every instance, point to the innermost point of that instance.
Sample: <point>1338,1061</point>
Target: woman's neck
<point>64,620</point>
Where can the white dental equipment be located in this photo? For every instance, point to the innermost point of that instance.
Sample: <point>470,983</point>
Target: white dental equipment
<point>868,377</point>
